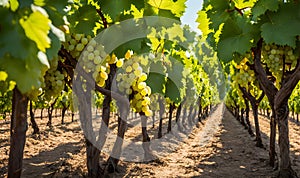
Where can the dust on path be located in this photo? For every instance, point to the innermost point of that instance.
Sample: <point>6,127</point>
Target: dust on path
<point>220,148</point>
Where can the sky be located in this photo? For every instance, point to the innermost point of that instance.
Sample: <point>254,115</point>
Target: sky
<point>190,15</point>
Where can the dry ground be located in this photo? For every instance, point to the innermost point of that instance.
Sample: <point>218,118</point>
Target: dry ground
<point>217,147</point>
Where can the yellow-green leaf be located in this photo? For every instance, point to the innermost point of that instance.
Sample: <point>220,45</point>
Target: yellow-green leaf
<point>176,8</point>
<point>203,23</point>
<point>14,4</point>
<point>3,76</point>
<point>36,28</point>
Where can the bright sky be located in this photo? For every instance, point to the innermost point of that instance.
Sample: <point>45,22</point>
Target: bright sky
<point>190,15</point>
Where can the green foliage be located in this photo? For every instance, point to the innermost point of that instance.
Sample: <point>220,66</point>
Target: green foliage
<point>114,8</point>
<point>262,6</point>
<point>156,77</point>
<point>25,38</point>
<point>174,80</point>
<point>168,8</point>
<point>237,36</point>
<point>283,26</point>
<point>83,20</point>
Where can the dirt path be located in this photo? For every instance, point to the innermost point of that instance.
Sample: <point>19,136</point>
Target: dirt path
<point>219,147</point>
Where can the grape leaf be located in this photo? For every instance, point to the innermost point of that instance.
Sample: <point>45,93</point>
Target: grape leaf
<point>116,7</point>
<point>188,34</point>
<point>203,23</point>
<point>237,36</point>
<point>84,19</point>
<point>135,45</point>
<point>262,6</point>
<point>26,73</point>
<point>172,91</point>
<point>177,8</point>
<point>12,37</point>
<point>174,33</point>
<point>156,79</point>
<point>156,82</point>
<point>174,81</point>
<point>14,4</point>
<point>217,13</point>
<point>283,26</point>
<point>242,4</point>
<point>36,28</point>
<point>55,9</point>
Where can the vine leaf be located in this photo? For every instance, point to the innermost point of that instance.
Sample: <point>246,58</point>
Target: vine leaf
<point>262,6</point>
<point>174,80</point>
<point>26,73</point>
<point>116,7</point>
<point>203,23</point>
<point>156,78</point>
<point>237,37</point>
<point>177,8</point>
<point>36,28</point>
<point>14,4</point>
<point>13,38</point>
<point>218,13</point>
<point>55,9</point>
<point>84,19</point>
<point>241,4</point>
<point>283,26</point>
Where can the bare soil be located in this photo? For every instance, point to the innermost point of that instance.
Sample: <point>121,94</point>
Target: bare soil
<point>217,147</point>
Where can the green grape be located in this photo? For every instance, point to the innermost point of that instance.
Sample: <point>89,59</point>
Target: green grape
<point>135,65</point>
<point>143,77</point>
<point>128,69</point>
<point>78,36</point>
<point>142,85</point>
<point>84,41</point>
<point>120,63</point>
<point>132,82</point>
<point>103,75</point>
<point>79,47</point>
<point>90,48</point>
<point>73,42</point>
<point>71,47</point>
<point>91,56</point>
<point>138,72</point>
<point>97,60</point>
<point>53,80</point>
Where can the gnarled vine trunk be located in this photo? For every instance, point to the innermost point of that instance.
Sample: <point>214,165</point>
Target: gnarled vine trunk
<point>50,113</point>
<point>18,133</point>
<point>254,104</point>
<point>250,131</point>
<point>171,108</point>
<point>161,113</point>
<point>34,125</point>
<point>278,100</point>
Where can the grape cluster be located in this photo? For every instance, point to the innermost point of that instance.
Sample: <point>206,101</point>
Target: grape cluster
<point>273,56</point>
<point>54,80</point>
<point>75,43</point>
<point>245,75</point>
<point>131,81</point>
<point>94,61</point>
